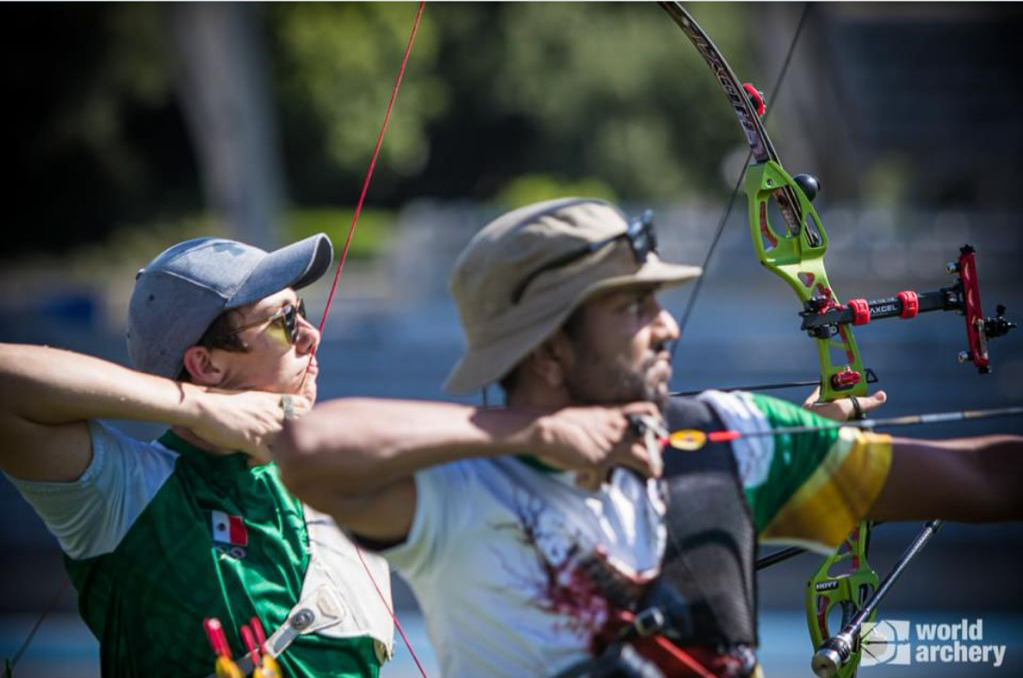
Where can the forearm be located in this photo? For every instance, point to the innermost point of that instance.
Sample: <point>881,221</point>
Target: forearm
<point>355,445</point>
<point>965,479</point>
<point>51,386</point>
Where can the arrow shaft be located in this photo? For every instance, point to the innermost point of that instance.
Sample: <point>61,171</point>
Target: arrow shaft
<point>908,420</point>
<point>871,379</point>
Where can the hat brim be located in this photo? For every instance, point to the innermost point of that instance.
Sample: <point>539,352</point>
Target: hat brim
<point>483,365</point>
<point>296,265</point>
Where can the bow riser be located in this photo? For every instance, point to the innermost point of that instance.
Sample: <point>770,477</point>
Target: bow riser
<point>798,259</point>
<point>848,591</point>
<point>797,256</point>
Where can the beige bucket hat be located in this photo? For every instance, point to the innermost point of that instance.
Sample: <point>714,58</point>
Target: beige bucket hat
<point>502,320</point>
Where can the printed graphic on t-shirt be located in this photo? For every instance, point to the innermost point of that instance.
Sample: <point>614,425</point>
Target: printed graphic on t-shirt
<point>578,584</point>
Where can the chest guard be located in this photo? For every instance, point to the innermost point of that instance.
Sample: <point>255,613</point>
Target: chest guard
<point>707,585</point>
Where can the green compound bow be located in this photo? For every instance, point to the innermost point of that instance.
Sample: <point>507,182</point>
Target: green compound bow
<point>796,255</point>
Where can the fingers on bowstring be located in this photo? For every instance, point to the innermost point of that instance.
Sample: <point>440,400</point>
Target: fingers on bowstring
<point>301,404</point>
<point>637,457</point>
<point>642,408</point>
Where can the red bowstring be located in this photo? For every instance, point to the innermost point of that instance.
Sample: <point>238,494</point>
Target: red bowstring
<point>372,164</point>
<point>337,277</point>
<point>390,611</point>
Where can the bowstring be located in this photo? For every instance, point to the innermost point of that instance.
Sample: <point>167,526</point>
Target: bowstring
<point>323,322</point>
<point>13,661</point>
<point>10,664</point>
<point>333,291</point>
<point>698,284</point>
<point>372,165</point>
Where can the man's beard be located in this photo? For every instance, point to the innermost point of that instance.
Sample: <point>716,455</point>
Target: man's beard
<point>598,381</point>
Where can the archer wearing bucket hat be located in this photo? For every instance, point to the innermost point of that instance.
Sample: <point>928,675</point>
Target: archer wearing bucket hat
<point>523,275</point>
<point>494,515</point>
<point>159,536</point>
<point>585,528</point>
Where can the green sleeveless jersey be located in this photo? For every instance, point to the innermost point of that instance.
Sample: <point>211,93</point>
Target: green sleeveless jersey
<point>218,539</point>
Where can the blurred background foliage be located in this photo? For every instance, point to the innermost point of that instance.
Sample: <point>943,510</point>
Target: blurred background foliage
<point>502,103</point>
<point>486,112</point>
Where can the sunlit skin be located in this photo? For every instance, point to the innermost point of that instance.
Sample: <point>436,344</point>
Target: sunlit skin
<point>615,351</point>
<point>271,363</point>
<point>622,354</point>
<point>621,351</point>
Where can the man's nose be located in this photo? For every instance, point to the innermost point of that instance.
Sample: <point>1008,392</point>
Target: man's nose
<point>308,336</point>
<point>665,327</point>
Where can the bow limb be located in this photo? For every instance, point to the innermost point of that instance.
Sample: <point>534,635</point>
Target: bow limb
<point>796,254</point>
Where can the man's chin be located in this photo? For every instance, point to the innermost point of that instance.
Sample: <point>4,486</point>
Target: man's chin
<point>657,384</point>
<point>306,387</point>
<point>656,392</point>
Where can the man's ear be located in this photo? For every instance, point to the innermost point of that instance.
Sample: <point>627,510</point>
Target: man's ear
<point>200,365</point>
<point>550,360</point>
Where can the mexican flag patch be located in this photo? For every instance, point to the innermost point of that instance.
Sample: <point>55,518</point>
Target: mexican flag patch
<point>228,529</point>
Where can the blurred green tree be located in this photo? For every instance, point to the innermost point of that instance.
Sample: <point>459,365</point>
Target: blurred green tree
<point>495,91</point>
<point>596,94</point>
<point>334,68</point>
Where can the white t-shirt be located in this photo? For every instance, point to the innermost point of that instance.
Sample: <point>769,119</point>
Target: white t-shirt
<point>91,515</point>
<point>498,553</point>
<point>497,550</point>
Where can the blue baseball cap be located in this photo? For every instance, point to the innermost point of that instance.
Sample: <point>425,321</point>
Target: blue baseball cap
<point>184,289</point>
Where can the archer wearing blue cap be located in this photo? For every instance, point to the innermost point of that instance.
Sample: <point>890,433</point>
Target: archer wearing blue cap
<point>160,535</point>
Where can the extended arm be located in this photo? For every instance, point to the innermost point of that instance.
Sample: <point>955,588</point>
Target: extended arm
<point>355,458</point>
<point>49,395</point>
<point>964,479</point>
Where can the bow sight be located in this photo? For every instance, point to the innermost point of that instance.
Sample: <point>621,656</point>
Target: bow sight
<point>822,316</point>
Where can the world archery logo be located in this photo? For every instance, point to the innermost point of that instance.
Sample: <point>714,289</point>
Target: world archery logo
<point>230,537</point>
<point>888,642</point>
